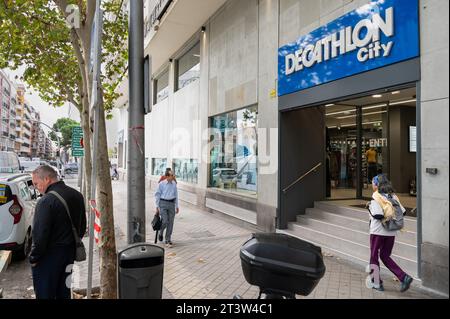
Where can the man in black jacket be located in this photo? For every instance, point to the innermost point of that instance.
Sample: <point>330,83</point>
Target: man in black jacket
<point>53,250</point>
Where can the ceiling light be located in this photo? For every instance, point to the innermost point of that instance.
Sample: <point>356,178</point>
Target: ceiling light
<point>328,105</point>
<point>365,114</point>
<point>396,92</point>
<point>341,112</point>
<point>377,96</point>
<point>403,102</point>
<point>374,106</point>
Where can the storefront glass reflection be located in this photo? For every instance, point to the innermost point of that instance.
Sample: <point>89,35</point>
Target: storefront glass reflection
<point>186,170</point>
<point>234,151</point>
<point>159,166</point>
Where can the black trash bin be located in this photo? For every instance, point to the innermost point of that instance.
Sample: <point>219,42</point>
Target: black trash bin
<point>140,272</point>
<point>282,265</point>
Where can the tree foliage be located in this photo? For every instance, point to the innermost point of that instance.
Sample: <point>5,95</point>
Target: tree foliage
<point>65,127</point>
<point>35,34</point>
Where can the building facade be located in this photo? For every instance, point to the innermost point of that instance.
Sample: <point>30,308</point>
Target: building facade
<point>279,113</point>
<point>7,113</point>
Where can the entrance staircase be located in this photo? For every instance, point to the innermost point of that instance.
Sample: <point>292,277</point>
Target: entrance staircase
<point>343,231</point>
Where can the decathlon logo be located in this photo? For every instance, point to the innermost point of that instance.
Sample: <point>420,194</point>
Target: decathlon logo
<point>364,36</point>
<point>378,34</point>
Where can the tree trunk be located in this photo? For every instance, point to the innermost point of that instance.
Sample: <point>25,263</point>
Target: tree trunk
<point>108,255</point>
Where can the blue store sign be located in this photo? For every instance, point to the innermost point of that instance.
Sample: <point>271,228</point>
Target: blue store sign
<point>378,34</point>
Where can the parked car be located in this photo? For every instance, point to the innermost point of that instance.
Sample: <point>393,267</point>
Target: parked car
<point>17,205</point>
<point>224,178</point>
<point>9,163</point>
<point>29,166</point>
<point>71,168</point>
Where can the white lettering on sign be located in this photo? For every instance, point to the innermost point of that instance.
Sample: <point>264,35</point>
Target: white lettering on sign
<point>381,142</point>
<point>347,40</point>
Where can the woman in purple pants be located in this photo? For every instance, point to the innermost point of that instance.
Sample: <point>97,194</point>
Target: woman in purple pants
<point>382,240</point>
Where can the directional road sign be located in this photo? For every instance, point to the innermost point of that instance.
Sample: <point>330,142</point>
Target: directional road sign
<point>77,142</point>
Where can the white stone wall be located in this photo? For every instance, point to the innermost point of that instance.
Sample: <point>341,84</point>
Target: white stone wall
<point>434,15</point>
<point>233,63</point>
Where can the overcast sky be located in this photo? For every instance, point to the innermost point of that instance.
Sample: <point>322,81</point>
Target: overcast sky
<point>49,114</point>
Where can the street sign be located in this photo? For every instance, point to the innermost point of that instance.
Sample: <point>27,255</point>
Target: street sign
<point>77,142</point>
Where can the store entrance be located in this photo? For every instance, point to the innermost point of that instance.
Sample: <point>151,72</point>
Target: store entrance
<point>368,136</point>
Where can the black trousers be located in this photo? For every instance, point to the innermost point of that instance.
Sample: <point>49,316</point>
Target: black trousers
<point>52,274</point>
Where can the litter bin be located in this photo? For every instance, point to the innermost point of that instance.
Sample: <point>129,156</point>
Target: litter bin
<point>282,265</point>
<point>140,272</point>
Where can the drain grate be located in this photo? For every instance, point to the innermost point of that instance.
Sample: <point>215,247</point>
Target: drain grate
<point>200,234</point>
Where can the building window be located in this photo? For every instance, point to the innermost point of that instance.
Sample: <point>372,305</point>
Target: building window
<point>189,67</point>
<point>186,170</point>
<point>162,86</point>
<point>159,166</point>
<point>234,151</point>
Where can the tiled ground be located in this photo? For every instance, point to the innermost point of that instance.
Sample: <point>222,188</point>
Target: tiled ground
<point>205,263</point>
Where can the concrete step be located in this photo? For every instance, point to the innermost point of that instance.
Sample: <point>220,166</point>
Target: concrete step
<point>401,249</point>
<point>346,249</point>
<point>404,236</point>
<point>359,213</point>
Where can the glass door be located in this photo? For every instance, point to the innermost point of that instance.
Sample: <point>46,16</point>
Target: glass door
<point>375,145</point>
<point>341,151</point>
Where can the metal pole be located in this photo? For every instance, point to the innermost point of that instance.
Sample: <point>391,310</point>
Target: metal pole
<point>94,108</point>
<point>136,136</point>
<point>359,151</point>
<point>80,175</point>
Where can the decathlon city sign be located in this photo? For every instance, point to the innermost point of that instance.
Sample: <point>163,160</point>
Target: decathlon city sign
<point>378,34</point>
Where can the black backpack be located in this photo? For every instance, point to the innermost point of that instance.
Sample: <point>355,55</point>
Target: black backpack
<point>398,222</point>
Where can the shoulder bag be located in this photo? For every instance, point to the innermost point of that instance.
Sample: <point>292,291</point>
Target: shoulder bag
<point>80,251</point>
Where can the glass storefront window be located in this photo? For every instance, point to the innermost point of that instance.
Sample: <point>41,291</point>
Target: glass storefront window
<point>189,67</point>
<point>162,86</point>
<point>159,166</point>
<point>186,170</point>
<point>234,151</point>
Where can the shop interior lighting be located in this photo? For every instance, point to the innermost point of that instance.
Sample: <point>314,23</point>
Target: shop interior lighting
<point>377,96</point>
<point>365,114</point>
<point>365,123</point>
<point>345,112</point>
<point>403,102</point>
<point>396,92</point>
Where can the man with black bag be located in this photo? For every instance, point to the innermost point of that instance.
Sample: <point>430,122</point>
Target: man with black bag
<point>167,207</point>
<point>58,226</point>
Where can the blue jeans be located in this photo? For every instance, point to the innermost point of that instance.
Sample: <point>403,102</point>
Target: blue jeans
<point>51,275</point>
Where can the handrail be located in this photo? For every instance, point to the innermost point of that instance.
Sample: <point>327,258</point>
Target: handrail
<point>312,170</point>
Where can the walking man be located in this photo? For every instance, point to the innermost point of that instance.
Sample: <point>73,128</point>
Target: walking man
<point>53,248</point>
<point>167,206</point>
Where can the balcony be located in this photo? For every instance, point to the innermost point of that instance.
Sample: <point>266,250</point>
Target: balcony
<point>182,19</point>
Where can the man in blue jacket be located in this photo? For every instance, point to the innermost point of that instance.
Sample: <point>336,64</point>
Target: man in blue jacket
<point>53,249</point>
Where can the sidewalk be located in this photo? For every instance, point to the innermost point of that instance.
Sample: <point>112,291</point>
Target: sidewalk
<point>205,263</point>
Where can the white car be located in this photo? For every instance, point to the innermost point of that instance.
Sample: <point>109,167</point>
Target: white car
<point>224,178</point>
<point>18,199</point>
